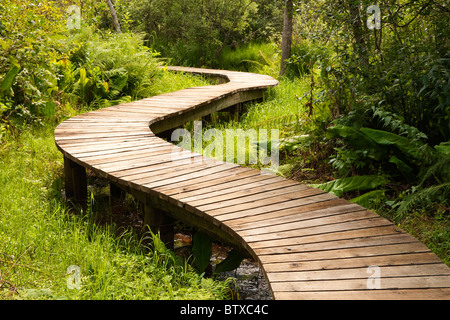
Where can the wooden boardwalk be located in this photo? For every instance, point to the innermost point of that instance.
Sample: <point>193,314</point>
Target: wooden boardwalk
<point>309,244</point>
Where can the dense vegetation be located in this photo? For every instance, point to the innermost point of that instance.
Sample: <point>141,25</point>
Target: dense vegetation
<point>363,112</point>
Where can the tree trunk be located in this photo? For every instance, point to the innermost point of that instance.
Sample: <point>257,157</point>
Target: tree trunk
<point>358,34</point>
<point>286,42</point>
<point>114,16</point>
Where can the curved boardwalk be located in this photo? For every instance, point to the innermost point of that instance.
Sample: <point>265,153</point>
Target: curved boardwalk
<point>310,244</point>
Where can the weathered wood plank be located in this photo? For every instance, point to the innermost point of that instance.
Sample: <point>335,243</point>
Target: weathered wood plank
<point>310,197</point>
<point>396,294</point>
<point>361,284</point>
<point>334,244</point>
<point>354,262</point>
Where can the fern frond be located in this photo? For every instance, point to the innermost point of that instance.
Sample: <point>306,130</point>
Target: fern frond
<point>440,171</point>
<point>423,196</point>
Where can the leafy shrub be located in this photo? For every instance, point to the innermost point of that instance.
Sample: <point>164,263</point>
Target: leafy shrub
<point>304,56</point>
<point>106,69</point>
<point>403,156</point>
<point>196,33</point>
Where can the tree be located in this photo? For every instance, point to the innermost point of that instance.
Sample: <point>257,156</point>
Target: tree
<point>357,27</point>
<point>286,42</point>
<point>114,16</point>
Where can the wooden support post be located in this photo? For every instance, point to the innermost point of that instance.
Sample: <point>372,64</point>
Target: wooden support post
<point>116,196</point>
<point>207,118</point>
<point>68,178</point>
<point>76,182</point>
<point>160,222</point>
<point>234,112</point>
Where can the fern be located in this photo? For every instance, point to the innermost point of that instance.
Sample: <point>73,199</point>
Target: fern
<point>394,123</point>
<point>440,171</point>
<point>436,193</point>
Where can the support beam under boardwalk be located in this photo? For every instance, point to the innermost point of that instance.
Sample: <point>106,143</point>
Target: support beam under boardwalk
<point>75,182</point>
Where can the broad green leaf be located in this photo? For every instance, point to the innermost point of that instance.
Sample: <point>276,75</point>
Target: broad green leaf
<point>359,183</point>
<point>357,140</point>
<point>387,138</point>
<point>158,244</point>
<point>8,80</point>
<point>443,148</point>
<point>201,248</point>
<point>404,169</point>
<point>232,262</point>
<point>119,82</point>
<point>366,199</point>
<point>401,145</point>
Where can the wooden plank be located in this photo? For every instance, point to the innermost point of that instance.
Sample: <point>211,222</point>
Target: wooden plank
<point>294,237</point>
<point>288,229</point>
<point>101,124</point>
<point>281,191</point>
<point>83,136</point>
<point>375,250</point>
<point>192,175</point>
<point>125,153</point>
<point>431,269</point>
<point>62,131</point>
<point>102,149</point>
<point>161,159</point>
<point>328,208</point>
<point>99,141</point>
<point>396,294</point>
<point>186,157</point>
<point>338,244</point>
<point>166,150</point>
<point>232,178</point>
<point>354,262</point>
<point>285,201</point>
<point>327,224</point>
<point>168,171</point>
<point>309,197</point>
<point>142,108</point>
<point>213,182</point>
<point>113,120</point>
<point>332,240</point>
<point>241,223</point>
<point>361,284</point>
<point>252,187</point>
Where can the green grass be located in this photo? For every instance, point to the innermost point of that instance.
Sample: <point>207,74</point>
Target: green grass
<point>253,57</point>
<point>40,237</point>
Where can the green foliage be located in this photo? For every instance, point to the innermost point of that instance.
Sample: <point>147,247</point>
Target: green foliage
<point>253,57</point>
<point>107,69</point>
<point>304,57</point>
<point>422,197</point>
<point>7,82</point>
<point>231,262</point>
<point>405,158</point>
<point>196,33</point>
<point>356,183</point>
<point>370,198</point>
<point>201,248</point>
<point>32,37</point>
<point>40,238</point>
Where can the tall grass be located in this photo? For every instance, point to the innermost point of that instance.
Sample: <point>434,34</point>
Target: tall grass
<point>253,57</point>
<point>40,237</point>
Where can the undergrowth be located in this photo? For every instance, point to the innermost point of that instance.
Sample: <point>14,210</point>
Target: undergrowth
<point>43,241</point>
